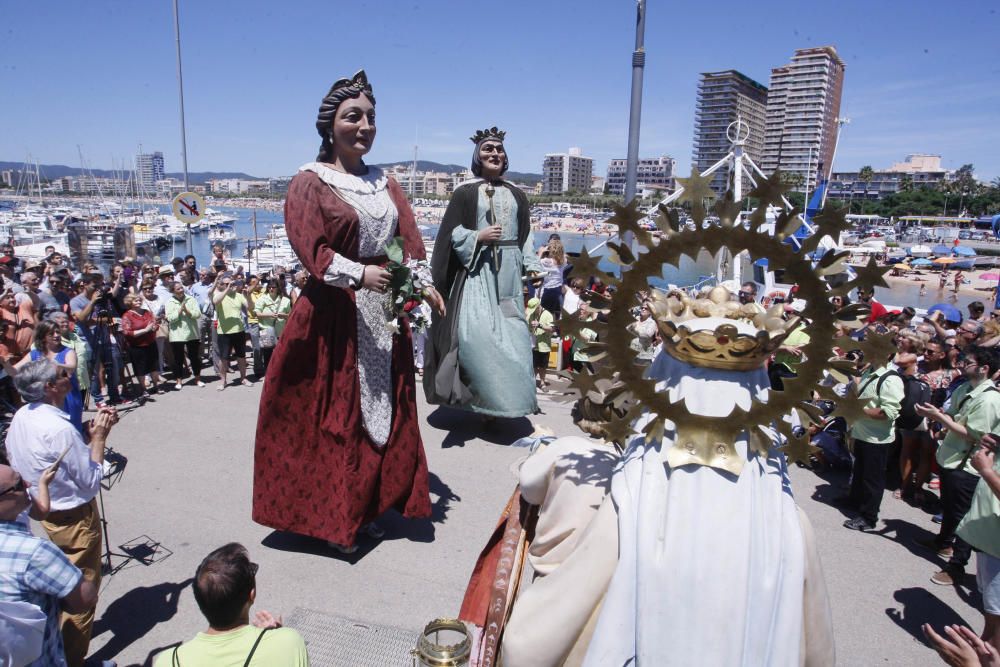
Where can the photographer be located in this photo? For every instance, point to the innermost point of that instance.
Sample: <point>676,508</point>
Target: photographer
<point>94,314</point>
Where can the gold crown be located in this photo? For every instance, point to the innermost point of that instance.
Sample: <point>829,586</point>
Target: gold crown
<point>490,133</point>
<point>744,337</point>
<point>723,345</point>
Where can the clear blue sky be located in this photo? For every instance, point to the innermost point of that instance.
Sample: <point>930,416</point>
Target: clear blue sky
<point>922,76</point>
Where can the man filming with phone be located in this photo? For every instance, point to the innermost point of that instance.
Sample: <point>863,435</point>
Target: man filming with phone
<point>41,435</point>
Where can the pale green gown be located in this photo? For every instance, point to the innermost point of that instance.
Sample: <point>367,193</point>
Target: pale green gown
<point>494,344</point>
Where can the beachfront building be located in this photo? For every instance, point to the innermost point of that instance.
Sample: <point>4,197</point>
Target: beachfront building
<point>149,170</point>
<point>918,170</point>
<point>238,186</point>
<point>423,183</point>
<point>167,187</point>
<point>655,172</point>
<point>803,104</point>
<point>724,97</point>
<point>566,172</point>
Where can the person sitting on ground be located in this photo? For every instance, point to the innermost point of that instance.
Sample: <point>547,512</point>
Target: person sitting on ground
<point>225,587</point>
<point>34,573</point>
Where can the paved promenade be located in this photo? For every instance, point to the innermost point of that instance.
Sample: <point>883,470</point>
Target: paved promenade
<point>187,488</point>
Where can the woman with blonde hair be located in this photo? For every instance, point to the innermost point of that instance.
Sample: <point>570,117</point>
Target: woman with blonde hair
<point>553,263</point>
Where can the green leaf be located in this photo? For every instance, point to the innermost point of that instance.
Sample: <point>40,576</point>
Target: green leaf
<point>394,250</point>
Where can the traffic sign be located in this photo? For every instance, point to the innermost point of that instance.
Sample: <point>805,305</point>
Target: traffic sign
<point>189,207</point>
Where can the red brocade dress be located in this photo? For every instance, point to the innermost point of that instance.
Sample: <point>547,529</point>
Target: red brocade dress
<point>338,441</point>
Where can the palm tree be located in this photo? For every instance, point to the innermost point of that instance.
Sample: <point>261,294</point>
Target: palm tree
<point>906,183</point>
<point>865,176</point>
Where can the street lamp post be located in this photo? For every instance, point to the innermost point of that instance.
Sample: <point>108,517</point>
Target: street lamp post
<point>180,87</point>
<point>635,110</point>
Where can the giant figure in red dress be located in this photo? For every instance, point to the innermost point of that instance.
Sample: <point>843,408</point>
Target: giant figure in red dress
<point>338,442</point>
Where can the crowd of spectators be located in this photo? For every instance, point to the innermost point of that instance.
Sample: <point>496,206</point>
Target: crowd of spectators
<point>68,338</point>
<point>141,328</point>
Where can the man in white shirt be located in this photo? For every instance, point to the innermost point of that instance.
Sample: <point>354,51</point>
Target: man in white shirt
<point>40,434</point>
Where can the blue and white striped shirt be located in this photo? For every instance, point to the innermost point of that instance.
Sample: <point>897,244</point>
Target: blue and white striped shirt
<point>35,570</point>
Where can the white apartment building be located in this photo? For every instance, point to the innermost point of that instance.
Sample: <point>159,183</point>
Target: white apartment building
<point>803,103</point>
<point>562,172</point>
<point>651,173</point>
<point>238,186</point>
<point>149,170</point>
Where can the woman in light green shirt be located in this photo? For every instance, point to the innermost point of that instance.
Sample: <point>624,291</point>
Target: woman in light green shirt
<point>182,314</point>
<point>272,311</point>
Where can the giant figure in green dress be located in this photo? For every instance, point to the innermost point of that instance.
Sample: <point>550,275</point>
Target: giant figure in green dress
<point>480,353</point>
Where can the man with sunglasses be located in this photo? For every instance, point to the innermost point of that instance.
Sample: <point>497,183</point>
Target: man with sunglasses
<point>35,572</point>
<point>41,434</point>
<point>225,587</point>
<point>974,410</point>
<point>748,293</point>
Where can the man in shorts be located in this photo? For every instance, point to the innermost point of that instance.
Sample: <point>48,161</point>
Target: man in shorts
<point>230,307</point>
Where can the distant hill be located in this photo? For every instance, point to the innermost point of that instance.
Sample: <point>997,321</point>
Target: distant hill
<point>427,165</point>
<point>53,171</point>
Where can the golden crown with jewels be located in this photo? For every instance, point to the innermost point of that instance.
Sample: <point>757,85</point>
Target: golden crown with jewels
<point>715,332</point>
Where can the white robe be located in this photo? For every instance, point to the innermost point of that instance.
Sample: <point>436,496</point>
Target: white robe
<point>707,569</point>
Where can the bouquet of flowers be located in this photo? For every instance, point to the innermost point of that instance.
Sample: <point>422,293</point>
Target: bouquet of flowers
<point>409,279</point>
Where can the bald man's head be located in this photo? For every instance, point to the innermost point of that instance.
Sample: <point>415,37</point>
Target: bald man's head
<point>13,494</point>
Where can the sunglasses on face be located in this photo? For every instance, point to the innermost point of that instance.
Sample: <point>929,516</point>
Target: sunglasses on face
<point>19,486</point>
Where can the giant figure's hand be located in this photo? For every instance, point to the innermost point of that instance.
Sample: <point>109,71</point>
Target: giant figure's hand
<point>490,234</point>
<point>434,298</point>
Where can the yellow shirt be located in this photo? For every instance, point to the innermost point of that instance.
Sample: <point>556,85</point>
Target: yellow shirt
<point>281,647</point>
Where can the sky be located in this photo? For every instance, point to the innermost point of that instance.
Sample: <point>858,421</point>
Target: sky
<point>99,78</point>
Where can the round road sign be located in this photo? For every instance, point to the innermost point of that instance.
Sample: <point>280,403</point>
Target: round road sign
<point>189,207</point>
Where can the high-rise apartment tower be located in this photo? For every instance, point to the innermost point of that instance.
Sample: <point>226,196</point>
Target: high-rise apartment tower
<point>149,169</point>
<point>724,97</point>
<point>803,104</point>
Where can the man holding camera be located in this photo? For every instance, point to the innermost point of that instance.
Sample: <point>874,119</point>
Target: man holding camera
<point>41,435</point>
<point>92,310</point>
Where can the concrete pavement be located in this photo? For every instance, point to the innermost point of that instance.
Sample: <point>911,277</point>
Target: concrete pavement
<point>187,489</point>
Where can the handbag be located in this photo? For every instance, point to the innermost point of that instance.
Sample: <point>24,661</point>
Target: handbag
<point>268,336</point>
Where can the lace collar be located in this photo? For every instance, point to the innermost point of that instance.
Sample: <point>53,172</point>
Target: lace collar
<point>371,183</point>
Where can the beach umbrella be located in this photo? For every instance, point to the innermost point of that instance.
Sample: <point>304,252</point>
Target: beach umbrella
<point>989,276</point>
<point>901,267</point>
<point>940,249</point>
<point>945,260</point>
<point>921,262</point>
<point>948,311</point>
<point>964,251</point>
